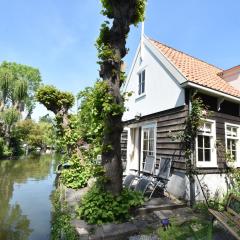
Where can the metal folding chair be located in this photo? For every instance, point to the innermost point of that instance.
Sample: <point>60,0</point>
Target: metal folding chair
<point>162,177</point>
<point>145,173</point>
<point>157,181</point>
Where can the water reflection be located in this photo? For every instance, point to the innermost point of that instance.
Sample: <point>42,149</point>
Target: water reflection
<point>15,225</point>
<point>25,206</point>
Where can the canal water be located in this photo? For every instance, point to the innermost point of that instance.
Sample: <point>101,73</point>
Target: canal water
<point>26,186</point>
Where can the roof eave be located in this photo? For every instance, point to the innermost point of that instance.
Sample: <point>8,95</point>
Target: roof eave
<point>211,91</point>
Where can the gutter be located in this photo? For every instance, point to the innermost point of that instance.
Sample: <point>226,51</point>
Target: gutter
<point>211,91</point>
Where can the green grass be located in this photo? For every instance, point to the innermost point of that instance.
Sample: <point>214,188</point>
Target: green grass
<point>198,229</point>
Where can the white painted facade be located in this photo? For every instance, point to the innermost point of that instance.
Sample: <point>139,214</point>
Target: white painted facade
<point>214,185</point>
<point>162,89</point>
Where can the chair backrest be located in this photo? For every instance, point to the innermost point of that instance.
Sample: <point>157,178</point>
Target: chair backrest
<point>165,167</point>
<point>233,205</point>
<point>127,182</point>
<point>149,164</point>
<point>142,185</point>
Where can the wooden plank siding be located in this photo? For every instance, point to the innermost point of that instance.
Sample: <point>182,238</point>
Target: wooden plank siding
<point>171,123</point>
<point>169,126</point>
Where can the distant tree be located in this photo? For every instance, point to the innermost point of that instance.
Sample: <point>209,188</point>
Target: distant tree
<point>9,117</point>
<point>111,46</point>
<point>18,84</point>
<point>35,134</point>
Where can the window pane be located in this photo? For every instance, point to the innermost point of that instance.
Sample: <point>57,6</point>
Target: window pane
<point>233,144</point>
<point>145,145</point>
<point>206,142</point>
<point>151,145</point>
<point>201,129</point>
<point>143,81</point>
<point>200,155</point>
<point>208,127</point>
<point>151,132</point>
<point>144,156</point>
<point>229,131</point>
<point>145,134</point>
<point>200,141</point>
<point>228,144</point>
<point>234,155</point>
<point>207,155</point>
<point>139,84</point>
<point>234,132</point>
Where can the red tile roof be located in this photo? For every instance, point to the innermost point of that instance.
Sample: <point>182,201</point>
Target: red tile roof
<point>195,70</point>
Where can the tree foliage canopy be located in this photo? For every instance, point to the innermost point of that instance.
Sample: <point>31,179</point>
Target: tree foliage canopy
<point>35,134</point>
<point>54,99</point>
<point>18,84</point>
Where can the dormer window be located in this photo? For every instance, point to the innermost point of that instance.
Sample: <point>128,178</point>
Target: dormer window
<point>141,82</point>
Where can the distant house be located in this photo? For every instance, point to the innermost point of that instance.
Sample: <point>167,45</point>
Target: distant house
<point>162,79</point>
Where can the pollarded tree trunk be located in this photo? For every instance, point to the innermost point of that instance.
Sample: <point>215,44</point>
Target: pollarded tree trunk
<point>124,13</point>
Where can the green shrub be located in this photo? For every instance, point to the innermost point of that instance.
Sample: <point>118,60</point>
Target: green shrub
<point>99,207</point>
<point>77,177</point>
<point>214,203</point>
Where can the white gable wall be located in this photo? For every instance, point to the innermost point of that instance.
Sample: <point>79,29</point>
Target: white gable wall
<point>162,90</point>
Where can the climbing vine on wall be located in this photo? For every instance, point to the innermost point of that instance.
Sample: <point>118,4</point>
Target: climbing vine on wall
<point>196,118</point>
<point>197,115</point>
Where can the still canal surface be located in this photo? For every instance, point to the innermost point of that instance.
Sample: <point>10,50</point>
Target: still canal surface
<point>26,186</point>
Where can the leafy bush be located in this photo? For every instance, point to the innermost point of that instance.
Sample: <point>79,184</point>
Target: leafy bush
<point>78,176</point>
<point>216,203</point>
<point>99,207</point>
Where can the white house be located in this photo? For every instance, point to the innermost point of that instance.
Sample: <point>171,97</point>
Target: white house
<point>161,80</point>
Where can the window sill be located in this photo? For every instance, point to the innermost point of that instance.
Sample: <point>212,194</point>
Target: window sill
<point>140,97</point>
<point>205,165</point>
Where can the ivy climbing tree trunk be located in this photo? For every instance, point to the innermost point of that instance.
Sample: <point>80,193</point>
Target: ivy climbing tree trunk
<point>112,49</point>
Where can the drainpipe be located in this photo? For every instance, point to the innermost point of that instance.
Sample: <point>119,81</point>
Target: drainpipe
<point>191,176</point>
<point>139,150</point>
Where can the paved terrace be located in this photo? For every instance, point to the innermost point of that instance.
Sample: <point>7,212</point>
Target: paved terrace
<point>148,219</point>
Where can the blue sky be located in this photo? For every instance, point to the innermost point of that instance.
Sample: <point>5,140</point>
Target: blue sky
<point>58,36</point>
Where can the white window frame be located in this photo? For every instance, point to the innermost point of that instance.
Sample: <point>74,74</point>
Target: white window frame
<point>154,126</point>
<point>213,153</point>
<point>227,124</point>
<point>142,93</point>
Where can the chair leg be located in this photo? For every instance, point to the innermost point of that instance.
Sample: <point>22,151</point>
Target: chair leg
<point>154,188</point>
<point>167,192</point>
